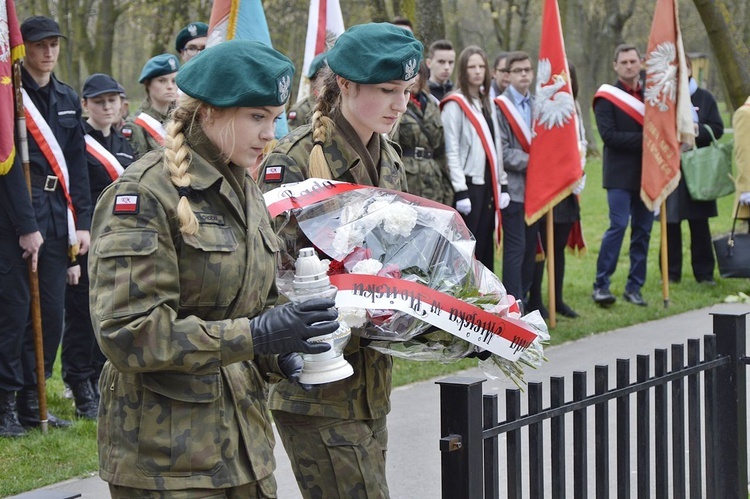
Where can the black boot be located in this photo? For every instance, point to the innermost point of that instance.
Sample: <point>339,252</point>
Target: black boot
<point>87,405</point>
<point>9,425</point>
<point>28,411</point>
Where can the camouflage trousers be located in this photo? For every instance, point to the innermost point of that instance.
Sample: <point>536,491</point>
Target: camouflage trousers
<point>335,458</point>
<point>253,490</point>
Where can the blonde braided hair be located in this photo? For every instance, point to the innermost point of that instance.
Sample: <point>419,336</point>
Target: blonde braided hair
<point>177,159</point>
<point>322,124</point>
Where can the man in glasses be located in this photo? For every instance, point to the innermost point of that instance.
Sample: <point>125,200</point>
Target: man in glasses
<point>500,76</point>
<point>519,240</point>
<point>191,40</point>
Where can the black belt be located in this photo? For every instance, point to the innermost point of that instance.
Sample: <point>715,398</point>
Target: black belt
<point>418,153</point>
<point>47,182</point>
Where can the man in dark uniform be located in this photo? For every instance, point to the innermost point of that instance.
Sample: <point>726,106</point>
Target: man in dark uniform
<point>617,109</point>
<point>59,217</point>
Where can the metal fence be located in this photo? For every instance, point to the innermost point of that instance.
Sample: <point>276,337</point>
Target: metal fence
<point>689,429</point>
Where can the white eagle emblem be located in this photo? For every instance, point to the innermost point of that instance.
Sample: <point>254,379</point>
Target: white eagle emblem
<point>285,82</point>
<point>553,107</point>
<point>172,63</point>
<point>193,30</point>
<point>661,76</point>
<point>4,34</point>
<point>410,69</point>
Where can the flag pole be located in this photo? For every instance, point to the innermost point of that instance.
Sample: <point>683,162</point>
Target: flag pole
<point>664,255</point>
<point>36,312</point>
<point>551,298</point>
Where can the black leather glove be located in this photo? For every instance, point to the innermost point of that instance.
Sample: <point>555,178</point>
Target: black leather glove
<point>285,328</point>
<point>290,364</point>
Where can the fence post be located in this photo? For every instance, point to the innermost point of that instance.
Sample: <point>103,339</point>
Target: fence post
<point>730,443</point>
<point>461,437</point>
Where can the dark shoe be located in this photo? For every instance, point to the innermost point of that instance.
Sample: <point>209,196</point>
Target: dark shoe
<point>530,307</point>
<point>564,310</point>
<point>85,399</point>
<point>635,298</point>
<point>603,297</point>
<point>707,282</point>
<point>674,280</point>
<point>28,411</point>
<point>9,424</point>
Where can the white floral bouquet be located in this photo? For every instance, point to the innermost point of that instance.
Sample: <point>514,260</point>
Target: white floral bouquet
<point>407,277</point>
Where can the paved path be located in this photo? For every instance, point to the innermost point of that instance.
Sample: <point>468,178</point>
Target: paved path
<point>414,423</point>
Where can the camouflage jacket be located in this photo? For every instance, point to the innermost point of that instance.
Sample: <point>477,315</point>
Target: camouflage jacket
<point>300,113</point>
<point>183,399</point>
<point>365,394</point>
<point>421,132</point>
<point>140,140</point>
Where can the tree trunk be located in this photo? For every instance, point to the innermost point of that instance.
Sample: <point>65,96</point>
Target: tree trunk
<point>430,21</point>
<point>731,51</point>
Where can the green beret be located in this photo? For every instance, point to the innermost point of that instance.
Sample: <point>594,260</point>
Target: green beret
<point>238,73</point>
<point>162,64</point>
<point>190,32</point>
<point>375,53</point>
<point>318,62</point>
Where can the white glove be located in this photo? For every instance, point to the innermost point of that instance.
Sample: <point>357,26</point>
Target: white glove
<point>463,206</point>
<point>579,188</point>
<point>504,200</point>
<point>657,211</point>
<point>745,198</point>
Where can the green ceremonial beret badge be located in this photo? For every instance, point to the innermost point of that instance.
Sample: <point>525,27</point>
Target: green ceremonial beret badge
<point>238,73</point>
<point>375,53</point>
<point>190,32</point>
<point>162,64</point>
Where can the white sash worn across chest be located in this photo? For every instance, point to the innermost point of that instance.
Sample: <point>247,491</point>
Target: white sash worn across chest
<point>153,126</point>
<point>516,121</point>
<point>106,158</point>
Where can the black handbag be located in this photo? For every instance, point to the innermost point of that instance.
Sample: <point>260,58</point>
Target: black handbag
<point>733,252</point>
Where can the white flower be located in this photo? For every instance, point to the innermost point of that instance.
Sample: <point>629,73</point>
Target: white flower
<point>369,267</point>
<point>346,238</point>
<point>353,317</point>
<point>400,219</point>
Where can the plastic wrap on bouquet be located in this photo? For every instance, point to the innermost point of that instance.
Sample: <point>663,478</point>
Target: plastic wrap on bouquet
<point>406,273</point>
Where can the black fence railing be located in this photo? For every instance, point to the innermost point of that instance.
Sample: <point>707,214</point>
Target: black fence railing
<point>691,442</point>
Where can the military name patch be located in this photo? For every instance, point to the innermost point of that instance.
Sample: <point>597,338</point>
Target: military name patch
<point>209,218</point>
<point>126,204</point>
<point>274,174</point>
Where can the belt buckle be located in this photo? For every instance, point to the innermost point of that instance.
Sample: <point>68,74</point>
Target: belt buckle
<point>50,184</point>
<point>419,152</point>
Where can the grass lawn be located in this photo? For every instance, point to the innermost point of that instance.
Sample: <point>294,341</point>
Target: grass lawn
<point>38,460</point>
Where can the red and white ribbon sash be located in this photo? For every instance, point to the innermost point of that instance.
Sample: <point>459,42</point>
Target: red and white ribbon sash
<point>517,123</point>
<point>623,100</point>
<point>152,126</point>
<point>47,142</point>
<point>476,118</point>
<point>106,158</point>
<point>505,337</point>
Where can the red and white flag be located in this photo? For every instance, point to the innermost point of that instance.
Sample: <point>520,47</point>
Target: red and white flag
<point>11,49</point>
<point>554,166</point>
<point>668,117</point>
<point>324,24</point>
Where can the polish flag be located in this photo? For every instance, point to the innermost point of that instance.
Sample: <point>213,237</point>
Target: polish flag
<point>324,24</point>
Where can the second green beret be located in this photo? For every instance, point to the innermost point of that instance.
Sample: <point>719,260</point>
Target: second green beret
<point>318,63</point>
<point>238,73</point>
<point>190,32</point>
<point>159,65</point>
<point>375,53</point>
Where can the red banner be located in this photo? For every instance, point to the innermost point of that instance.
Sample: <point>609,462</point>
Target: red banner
<point>554,158</point>
<point>11,49</point>
<point>668,118</point>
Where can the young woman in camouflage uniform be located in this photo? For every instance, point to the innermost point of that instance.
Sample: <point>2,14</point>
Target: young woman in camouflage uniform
<point>145,129</point>
<point>182,277</point>
<point>420,135</point>
<point>335,434</point>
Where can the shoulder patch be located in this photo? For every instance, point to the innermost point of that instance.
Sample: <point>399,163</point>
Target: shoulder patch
<point>126,132</point>
<point>273,174</point>
<point>126,204</point>
<point>292,115</point>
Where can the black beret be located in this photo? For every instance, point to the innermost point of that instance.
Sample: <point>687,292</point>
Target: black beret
<point>98,84</point>
<point>238,73</point>
<point>375,53</point>
<point>190,32</point>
